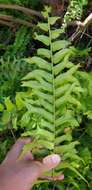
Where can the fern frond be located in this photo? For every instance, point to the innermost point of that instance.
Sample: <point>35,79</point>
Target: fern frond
<point>19,46</point>
<point>54,93</point>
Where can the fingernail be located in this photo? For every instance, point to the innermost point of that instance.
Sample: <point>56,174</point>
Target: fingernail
<point>52,159</point>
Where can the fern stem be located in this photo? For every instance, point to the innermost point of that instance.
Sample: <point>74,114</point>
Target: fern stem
<point>53,82</point>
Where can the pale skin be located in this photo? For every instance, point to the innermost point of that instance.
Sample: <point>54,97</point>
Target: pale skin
<point>22,174</point>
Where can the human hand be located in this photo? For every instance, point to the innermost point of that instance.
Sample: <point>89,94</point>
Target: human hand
<point>22,174</point>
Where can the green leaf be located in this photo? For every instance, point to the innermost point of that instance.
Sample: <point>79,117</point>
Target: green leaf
<point>44,114</point>
<point>25,119</point>
<point>59,44</point>
<point>19,101</point>
<point>1,107</point>
<point>89,114</point>
<point>14,123</point>
<point>64,148</point>
<point>46,12</point>
<point>66,137</point>
<point>44,52</point>
<point>6,117</point>
<point>59,67</point>
<point>66,165</point>
<point>55,33</point>
<point>59,56</point>
<point>36,74</point>
<point>41,63</point>
<point>36,85</point>
<point>86,155</point>
<point>9,105</point>
<point>52,20</point>
<point>43,26</point>
<point>42,38</point>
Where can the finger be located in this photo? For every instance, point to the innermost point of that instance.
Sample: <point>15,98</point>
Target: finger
<point>54,178</point>
<point>16,150</point>
<point>51,161</point>
<point>37,169</point>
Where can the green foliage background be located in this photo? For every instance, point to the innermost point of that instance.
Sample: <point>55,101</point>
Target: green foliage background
<point>20,104</point>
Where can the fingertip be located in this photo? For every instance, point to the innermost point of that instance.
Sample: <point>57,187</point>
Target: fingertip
<point>52,161</point>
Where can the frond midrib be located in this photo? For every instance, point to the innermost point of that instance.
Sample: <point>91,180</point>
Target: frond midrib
<point>53,83</point>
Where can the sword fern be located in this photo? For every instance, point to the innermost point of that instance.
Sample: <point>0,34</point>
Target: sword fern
<point>52,102</point>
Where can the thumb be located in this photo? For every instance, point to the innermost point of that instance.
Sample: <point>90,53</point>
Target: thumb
<point>48,163</point>
<point>51,162</point>
<point>37,169</point>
